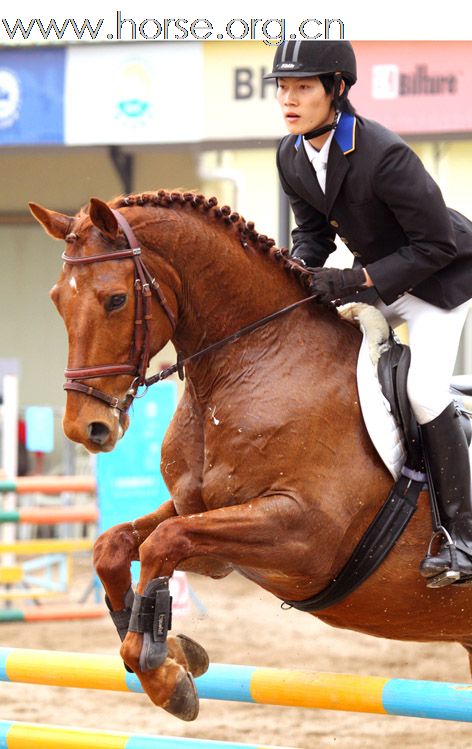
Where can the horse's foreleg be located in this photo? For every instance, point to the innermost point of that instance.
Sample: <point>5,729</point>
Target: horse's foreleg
<point>268,533</point>
<point>117,547</point>
<point>114,551</point>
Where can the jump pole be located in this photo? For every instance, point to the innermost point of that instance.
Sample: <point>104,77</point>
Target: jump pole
<point>47,484</point>
<point>10,457</point>
<point>53,612</point>
<point>51,515</point>
<point>47,546</point>
<point>269,686</point>
<point>33,736</point>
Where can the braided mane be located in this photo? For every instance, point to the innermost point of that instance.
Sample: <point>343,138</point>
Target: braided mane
<point>230,219</point>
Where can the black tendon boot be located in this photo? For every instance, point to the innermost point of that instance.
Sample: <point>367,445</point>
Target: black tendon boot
<point>448,457</point>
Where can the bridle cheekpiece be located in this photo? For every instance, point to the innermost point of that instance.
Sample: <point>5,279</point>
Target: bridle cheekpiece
<point>144,285</point>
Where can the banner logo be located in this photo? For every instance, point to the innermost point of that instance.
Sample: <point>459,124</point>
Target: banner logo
<point>388,82</point>
<point>10,98</point>
<point>134,93</point>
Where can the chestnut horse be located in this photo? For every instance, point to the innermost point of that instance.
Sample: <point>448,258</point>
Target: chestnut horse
<point>268,463</point>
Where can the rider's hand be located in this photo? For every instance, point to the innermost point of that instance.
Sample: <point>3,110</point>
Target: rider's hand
<point>329,284</point>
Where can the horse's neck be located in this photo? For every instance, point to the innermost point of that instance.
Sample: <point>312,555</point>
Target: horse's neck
<point>223,285</point>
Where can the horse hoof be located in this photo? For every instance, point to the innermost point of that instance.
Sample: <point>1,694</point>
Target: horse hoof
<point>197,657</point>
<point>184,701</point>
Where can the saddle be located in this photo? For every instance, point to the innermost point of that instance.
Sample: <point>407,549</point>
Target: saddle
<point>392,371</point>
<point>461,391</point>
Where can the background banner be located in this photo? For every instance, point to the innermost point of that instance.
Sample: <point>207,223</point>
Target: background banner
<point>31,96</point>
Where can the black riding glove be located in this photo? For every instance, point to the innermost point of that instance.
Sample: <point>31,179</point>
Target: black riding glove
<point>333,283</point>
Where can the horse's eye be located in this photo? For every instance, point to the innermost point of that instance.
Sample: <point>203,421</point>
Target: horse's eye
<point>116,301</point>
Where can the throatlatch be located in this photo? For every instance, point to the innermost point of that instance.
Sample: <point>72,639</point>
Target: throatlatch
<point>151,616</point>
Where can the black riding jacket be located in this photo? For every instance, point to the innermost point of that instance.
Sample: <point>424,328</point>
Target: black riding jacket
<point>385,207</point>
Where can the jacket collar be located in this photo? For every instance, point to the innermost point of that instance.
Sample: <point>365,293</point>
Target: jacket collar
<point>344,143</point>
<point>344,135</point>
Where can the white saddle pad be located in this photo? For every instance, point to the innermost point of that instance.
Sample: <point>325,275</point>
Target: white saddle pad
<point>381,426</point>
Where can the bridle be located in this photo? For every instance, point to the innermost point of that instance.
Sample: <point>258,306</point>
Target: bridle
<point>144,285</point>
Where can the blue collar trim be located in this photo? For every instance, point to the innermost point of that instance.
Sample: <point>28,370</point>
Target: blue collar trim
<point>345,133</point>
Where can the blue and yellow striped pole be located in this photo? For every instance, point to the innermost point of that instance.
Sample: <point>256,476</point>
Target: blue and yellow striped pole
<point>34,736</point>
<point>270,686</point>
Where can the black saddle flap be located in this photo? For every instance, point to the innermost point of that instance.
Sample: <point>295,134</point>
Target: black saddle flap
<point>392,369</point>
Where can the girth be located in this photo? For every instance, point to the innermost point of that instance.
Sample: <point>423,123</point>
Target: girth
<point>378,540</point>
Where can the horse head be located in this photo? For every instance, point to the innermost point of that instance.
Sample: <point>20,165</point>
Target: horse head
<point>115,323</point>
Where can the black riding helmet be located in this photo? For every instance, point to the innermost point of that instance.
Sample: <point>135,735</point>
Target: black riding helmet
<point>314,57</point>
<point>305,58</point>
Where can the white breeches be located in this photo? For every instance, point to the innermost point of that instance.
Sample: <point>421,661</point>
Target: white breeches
<point>433,337</point>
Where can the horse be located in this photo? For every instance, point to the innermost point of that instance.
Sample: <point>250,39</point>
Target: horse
<point>268,464</point>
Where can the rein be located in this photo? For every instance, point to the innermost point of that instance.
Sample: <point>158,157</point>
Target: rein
<point>181,361</point>
<point>144,285</point>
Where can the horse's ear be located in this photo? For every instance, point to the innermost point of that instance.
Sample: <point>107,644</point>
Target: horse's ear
<point>102,217</point>
<point>58,225</point>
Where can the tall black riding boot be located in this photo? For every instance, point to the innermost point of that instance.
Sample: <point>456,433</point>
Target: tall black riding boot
<point>447,452</point>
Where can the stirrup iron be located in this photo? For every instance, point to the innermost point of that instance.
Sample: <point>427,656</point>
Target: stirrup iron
<point>448,576</point>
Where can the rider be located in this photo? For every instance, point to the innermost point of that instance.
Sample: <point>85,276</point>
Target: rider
<point>350,176</point>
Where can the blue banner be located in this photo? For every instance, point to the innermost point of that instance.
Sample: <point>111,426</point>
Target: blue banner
<point>39,429</point>
<point>32,96</point>
<point>129,480</point>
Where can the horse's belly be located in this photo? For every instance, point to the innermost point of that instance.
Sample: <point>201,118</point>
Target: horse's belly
<point>395,603</point>
<point>280,585</point>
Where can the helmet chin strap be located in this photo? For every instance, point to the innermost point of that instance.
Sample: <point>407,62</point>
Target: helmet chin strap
<point>322,130</point>
<point>326,128</point>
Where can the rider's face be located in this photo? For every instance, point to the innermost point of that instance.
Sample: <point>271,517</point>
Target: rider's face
<point>305,104</point>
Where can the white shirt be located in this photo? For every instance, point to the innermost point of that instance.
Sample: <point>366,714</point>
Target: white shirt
<point>319,159</point>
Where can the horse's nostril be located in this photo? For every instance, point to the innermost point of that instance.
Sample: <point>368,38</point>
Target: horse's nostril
<point>98,432</point>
